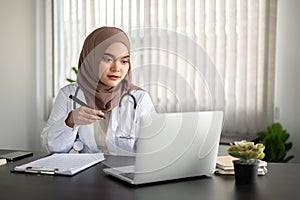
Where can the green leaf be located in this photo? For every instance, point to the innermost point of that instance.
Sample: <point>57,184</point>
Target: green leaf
<point>75,70</point>
<point>288,159</point>
<point>262,135</point>
<point>288,146</point>
<point>70,80</point>
<point>284,136</point>
<point>276,128</point>
<point>281,151</point>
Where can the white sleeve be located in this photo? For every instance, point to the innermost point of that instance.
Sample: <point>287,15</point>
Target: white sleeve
<point>56,136</point>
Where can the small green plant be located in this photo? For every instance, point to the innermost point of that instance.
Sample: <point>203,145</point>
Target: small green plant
<point>247,152</point>
<point>275,139</point>
<point>71,80</point>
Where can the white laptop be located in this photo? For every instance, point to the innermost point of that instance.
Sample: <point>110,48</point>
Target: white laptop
<point>174,146</point>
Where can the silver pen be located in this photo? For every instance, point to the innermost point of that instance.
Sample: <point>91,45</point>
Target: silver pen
<point>41,170</point>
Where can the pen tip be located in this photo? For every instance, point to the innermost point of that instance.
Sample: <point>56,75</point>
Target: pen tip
<point>70,96</point>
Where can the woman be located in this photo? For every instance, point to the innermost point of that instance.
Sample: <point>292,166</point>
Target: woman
<point>104,76</point>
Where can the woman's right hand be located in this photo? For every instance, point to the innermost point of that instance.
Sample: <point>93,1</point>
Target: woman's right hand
<point>83,116</point>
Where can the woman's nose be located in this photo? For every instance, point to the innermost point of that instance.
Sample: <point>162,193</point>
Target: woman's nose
<point>115,66</point>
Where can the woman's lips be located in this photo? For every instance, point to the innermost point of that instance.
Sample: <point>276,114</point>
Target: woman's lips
<point>113,77</point>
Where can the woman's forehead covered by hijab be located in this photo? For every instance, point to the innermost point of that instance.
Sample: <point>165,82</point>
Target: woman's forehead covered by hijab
<point>97,42</point>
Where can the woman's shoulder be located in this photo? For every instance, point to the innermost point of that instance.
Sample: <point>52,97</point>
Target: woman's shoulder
<point>143,100</point>
<point>70,88</point>
<point>139,93</point>
<point>141,96</point>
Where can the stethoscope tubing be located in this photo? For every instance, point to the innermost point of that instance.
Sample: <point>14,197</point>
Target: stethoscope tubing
<point>76,100</point>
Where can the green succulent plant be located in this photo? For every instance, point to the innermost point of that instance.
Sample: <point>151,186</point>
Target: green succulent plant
<point>247,152</point>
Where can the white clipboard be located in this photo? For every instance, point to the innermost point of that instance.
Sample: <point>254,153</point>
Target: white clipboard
<point>61,164</point>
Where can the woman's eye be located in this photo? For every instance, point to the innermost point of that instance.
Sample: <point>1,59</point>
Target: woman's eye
<point>107,59</point>
<point>125,61</point>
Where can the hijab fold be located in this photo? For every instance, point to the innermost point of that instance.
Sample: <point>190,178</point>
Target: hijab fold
<point>97,94</point>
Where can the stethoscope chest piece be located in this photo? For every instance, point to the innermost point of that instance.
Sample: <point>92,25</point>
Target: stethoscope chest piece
<point>78,145</point>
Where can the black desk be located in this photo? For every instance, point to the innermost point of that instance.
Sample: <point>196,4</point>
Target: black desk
<point>281,182</point>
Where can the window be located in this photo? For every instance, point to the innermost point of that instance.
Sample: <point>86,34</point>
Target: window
<point>188,54</point>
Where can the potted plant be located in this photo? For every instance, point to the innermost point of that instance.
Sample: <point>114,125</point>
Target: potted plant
<point>249,154</point>
<point>275,140</point>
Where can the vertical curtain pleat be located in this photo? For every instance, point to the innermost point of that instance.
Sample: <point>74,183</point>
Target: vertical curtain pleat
<point>92,13</point>
<point>85,8</point>
<point>230,72</point>
<point>200,19</point>
<point>146,73</point>
<point>172,62</point>
<point>191,69</point>
<point>262,85</point>
<point>210,34</point>
<point>188,54</point>
<point>270,34</point>
<point>243,39</point>
<point>221,43</point>
<point>181,64</point>
<point>252,66</point>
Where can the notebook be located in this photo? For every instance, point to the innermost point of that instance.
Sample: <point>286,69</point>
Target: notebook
<point>173,146</point>
<point>225,166</point>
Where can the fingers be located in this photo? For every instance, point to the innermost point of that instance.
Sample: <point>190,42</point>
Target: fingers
<point>85,115</point>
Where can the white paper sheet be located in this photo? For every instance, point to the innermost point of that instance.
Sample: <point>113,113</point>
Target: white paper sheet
<point>61,163</point>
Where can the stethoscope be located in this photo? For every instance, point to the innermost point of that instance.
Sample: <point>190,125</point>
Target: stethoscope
<point>78,144</point>
<point>123,131</point>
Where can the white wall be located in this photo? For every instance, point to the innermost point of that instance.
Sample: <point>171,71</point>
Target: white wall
<point>18,108</point>
<point>21,114</point>
<point>287,87</point>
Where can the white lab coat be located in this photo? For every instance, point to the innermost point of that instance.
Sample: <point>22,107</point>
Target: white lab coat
<point>58,137</point>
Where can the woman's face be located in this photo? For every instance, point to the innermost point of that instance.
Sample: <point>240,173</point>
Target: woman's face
<point>114,64</point>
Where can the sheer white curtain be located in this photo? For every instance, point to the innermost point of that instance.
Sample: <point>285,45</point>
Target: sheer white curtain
<point>188,54</point>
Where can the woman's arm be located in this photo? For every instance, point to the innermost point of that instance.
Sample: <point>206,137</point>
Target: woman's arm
<point>56,135</point>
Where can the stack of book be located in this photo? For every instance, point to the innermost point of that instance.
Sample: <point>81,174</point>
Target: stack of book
<point>225,166</point>
<point>3,162</point>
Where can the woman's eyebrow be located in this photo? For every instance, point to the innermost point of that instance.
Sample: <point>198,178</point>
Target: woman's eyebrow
<point>126,56</point>
<point>111,55</point>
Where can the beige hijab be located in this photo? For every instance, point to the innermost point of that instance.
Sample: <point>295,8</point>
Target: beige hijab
<point>97,94</point>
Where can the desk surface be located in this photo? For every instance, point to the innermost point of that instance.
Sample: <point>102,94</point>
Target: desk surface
<point>281,182</point>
